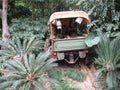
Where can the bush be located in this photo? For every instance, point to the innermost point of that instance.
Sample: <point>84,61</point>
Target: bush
<point>64,85</point>
<point>108,51</point>
<point>76,75</point>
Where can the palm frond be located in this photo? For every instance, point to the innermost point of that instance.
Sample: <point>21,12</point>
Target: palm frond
<point>99,73</point>
<point>108,51</point>
<point>26,62</point>
<point>12,76</point>
<point>19,44</point>
<point>17,84</point>
<point>46,66</point>
<point>30,44</point>
<point>16,66</point>
<point>28,73</point>
<point>26,86</point>
<point>5,84</point>
<point>25,44</point>
<point>17,47</point>
<point>111,79</point>
<point>39,85</point>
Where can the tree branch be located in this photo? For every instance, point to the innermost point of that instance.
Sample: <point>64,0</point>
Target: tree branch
<point>0,12</point>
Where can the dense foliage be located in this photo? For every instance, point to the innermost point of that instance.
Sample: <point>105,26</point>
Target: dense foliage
<point>65,76</point>
<point>31,16</point>
<point>27,73</point>
<point>27,21</point>
<point>62,73</point>
<point>105,17</point>
<point>26,28</point>
<point>17,47</point>
<point>109,60</point>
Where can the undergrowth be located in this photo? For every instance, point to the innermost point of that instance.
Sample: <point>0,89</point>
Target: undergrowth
<point>76,74</point>
<point>63,74</point>
<point>65,85</point>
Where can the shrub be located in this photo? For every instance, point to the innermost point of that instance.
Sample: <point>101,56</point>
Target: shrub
<point>108,51</point>
<point>28,73</point>
<point>76,74</point>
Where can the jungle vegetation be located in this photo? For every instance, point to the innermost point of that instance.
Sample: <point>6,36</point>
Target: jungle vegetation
<point>23,28</point>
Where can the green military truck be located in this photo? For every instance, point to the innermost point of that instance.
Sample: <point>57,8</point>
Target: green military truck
<point>68,31</point>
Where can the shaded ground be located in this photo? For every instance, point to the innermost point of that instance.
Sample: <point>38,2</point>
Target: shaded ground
<point>89,83</point>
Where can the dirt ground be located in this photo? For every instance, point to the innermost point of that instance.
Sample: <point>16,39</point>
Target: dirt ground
<point>89,83</point>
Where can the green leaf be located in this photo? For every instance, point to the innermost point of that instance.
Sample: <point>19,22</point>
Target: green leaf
<point>26,62</point>
<point>19,44</point>
<point>16,66</point>
<point>111,79</point>
<point>51,80</point>
<point>12,76</point>
<point>115,34</point>
<point>32,62</point>
<point>5,84</point>
<point>17,84</point>
<point>39,85</point>
<point>46,66</point>
<point>30,43</point>
<point>98,73</point>
<point>27,86</point>
<point>25,44</point>
<point>92,40</point>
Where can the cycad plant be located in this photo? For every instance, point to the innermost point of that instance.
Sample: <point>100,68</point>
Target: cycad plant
<point>17,47</point>
<point>28,74</point>
<point>108,51</point>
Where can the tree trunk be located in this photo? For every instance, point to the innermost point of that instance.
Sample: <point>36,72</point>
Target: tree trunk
<point>33,9</point>
<point>5,32</point>
<point>113,1</point>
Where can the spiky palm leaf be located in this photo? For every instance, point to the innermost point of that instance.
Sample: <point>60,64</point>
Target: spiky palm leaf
<point>17,47</point>
<point>109,59</point>
<point>28,73</point>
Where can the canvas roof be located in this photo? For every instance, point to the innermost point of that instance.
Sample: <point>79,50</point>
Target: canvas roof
<point>69,14</point>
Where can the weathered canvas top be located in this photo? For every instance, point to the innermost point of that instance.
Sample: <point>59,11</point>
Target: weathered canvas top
<point>69,14</point>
